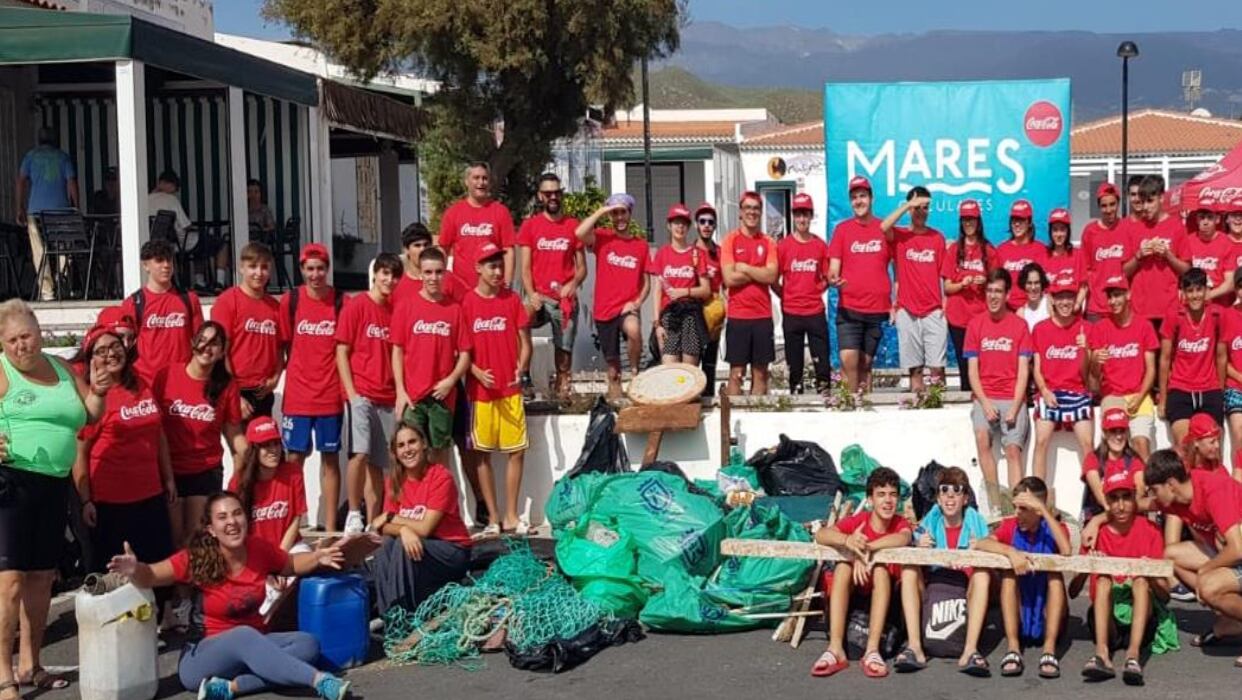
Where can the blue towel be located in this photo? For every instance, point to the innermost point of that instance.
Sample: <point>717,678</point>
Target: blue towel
<point>1033,588</point>
<point>973,526</point>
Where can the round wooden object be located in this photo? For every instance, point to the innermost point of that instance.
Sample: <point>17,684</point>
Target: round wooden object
<point>668,385</point>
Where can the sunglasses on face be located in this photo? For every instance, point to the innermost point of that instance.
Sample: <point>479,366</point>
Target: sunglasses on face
<point>954,489</point>
<point>707,222</point>
<point>550,193</point>
<point>102,351</point>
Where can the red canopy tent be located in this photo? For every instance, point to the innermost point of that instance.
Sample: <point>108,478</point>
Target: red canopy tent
<point>1217,188</point>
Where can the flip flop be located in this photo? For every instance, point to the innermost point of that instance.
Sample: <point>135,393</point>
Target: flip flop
<point>908,662</point>
<point>40,679</point>
<point>1212,639</point>
<point>977,666</point>
<point>1049,660</point>
<point>828,664</point>
<point>1132,673</point>
<point>873,666</point>
<point>492,531</point>
<point>1018,667</point>
<point>1097,671</point>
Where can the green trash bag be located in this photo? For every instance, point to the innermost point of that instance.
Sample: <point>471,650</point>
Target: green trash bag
<point>601,563</point>
<point>573,498</point>
<point>681,606</point>
<point>672,528</point>
<point>760,584</point>
<point>856,466</point>
<point>743,472</point>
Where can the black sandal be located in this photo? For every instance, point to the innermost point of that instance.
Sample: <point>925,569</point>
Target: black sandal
<point>977,666</point>
<point>1097,671</point>
<point>1049,660</point>
<point>1133,673</point>
<point>908,662</point>
<point>1012,665</point>
<point>1212,639</point>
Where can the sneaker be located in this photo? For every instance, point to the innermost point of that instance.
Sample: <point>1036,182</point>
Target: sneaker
<point>178,615</point>
<point>330,687</point>
<point>1182,594</point>
<point>796,390</point>
<point>354,524</point>
<point>215,689</point>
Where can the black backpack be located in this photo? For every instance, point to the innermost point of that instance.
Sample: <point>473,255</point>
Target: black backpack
<point>944,615</point>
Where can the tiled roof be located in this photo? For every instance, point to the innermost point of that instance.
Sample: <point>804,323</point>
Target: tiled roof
<point>1157,132</point>
<point>804,134</point>
<point>670,132</point>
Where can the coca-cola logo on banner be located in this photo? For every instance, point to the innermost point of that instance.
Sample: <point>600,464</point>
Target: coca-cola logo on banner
<point>204,412</point>
<point>1043,123</point>
<point>143,408</point>
<point>264,327</point>
<point>322,328</point>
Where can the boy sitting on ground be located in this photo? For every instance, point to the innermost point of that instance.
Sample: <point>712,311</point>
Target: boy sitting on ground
<point>863,534</point>
<point>1125,534</point>
<point>950,524</point>
<point>1033,605</point>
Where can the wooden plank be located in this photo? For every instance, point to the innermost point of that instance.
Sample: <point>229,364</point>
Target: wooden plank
<point>726,439</point>
<point>645,419</point>
<point>794,627</point>
<point>917,556</point>
<point>652,451</point>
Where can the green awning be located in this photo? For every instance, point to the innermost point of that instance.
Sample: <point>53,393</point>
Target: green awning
<point>50,36</point>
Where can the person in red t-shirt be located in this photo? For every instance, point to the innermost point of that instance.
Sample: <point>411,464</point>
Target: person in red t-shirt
<point>863,533</point>
<point>238,656</point>
<point>748,266</point>
<point>1060,371</point>
<point>473,221</point>
<point>1134,196</point>
<point>312,400</point>
<point>1208,249</point>
<point>251,320</point>
<point>427,545</point>
<point>1123,362</point>
<point>1155,241</point>
<point>965,269</point>
<point>1231,344</point>
<point>681,286</point>
<point>1231,222</point>
<point>860,257</point>
<point>500,351</point>
<point>918,252</point>
<point>706,221</point>
<point>802,259</point>
<point>621,284</point>
<point>416,238</point>
<point>1105,246</point>
<point>998,348</point>
<point>1191,363</point>
<point>1065,264</point>
<point>166,316</point>
<point>1020,250</point>
<point>1114,454</point>
<point>1126,534</point>
<point>553,269</point>
<point>364,361</point>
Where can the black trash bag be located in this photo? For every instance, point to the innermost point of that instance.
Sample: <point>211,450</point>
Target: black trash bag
<point>796,468</point>
<point>672,468</point>
<point>858,626</point>
<point>564,654</point>
<point>603,451</point>
<point>923,492</point>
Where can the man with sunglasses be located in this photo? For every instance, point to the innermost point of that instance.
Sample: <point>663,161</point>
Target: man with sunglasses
<point>749,267</point>
<point>553,267</point>
<point>714,309</point>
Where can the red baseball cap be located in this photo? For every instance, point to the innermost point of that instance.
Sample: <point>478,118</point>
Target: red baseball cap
<point>705,206</point>
<point>262,429</point>
<point>1202,426</point>
<point>1021,209</point>
<point>802,202</point>
<point>1062,285</point>
<point>858,182</point>
<point>1117,282</point>
<point>1119,481</point>
<point>678,211</point>
<point>98,331</point>
<point>1059,216</point>
<point>1106,189</point>
<point>314,251</point>
<point>750,194</point>
<point>115,317</point>
<point>1115,419</point>
<point>488,251</point>
<point>969,209</point>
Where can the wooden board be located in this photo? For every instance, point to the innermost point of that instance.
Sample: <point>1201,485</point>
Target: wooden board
<point>917,556</point>
<point>646,419</point>
<point>666,385</point>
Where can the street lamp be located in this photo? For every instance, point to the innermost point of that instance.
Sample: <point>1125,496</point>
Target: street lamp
<point>1126,51</point>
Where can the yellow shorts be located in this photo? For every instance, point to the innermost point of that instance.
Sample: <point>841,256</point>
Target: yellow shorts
<point>498,425</point>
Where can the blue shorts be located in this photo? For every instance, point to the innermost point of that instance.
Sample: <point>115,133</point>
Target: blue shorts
<point>296,431</point>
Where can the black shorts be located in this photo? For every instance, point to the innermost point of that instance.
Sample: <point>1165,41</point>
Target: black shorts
<point>203,483</point>
<point>144,525</point>
<point>461,415</point>
<point>34,512</point>
<point>260,406</point>
<point>860,331</point>
<point>1181,405</point>
<point>750,341</point>
<point>610,334</point>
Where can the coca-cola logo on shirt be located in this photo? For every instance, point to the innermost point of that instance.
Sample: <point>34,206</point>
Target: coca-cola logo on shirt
<point>484,229</point>
<point>276,510</point>
<point>1016,265</point>
<point>921,256</point>
<point>1043,123</point>
<point>1236,344</point>
<point>972,265</point>
<point>204,412</point>
<point>143,408</point>
<point>264,327</point>
<point>808,265</point>
<point>866,246</point>
<point>416,513</point>
<point>1122,352</point>
<point>553,245</point>
<point>996,345</point>
<point>175,319</point>
<point>1112,252</point>
<point>1205,264</point>
<point>1061,352</point>
<point>376,331</point>
<point>322,328</point>
<point>422,327</point>
<point>683,272</point>
<point>1193,346</point>
<point>495,324</point>
<point>629,262</point>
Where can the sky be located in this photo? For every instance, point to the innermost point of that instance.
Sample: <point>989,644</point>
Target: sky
<point>891,16</point>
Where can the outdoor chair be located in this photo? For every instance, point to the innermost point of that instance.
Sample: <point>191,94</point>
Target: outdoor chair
<point>65,243</point>
<point>164,226</point>
<point>12,246</point>
<point>286,244</point>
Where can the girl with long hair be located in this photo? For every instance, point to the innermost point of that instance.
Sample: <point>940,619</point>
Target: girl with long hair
<point>1066,263</point>
<point>965,270</point>
<point>1019,251</point>
<point>681,287</point>
<point>1114,454</point>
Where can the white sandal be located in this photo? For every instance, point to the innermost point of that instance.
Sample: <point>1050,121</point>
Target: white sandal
<point>492,531</point>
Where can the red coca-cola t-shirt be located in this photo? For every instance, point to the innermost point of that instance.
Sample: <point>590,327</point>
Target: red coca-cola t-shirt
<point>751,300</point>
<point>316,389</point>
<point>435,491</point>
<point>1231,336</point>
<point>1060,358</point>
<point>1068,268</point>
<point>959,308</point>
<point>253,330</point>
<point>235,601</point>
<point>277,503</point>
<point>673,269</point>
<point>465,228</point>
<point>997,344</point>
<point>1142,541</point>
<point>552,247</point>
<point>1235,254</point>
<point>1105,250</point>
<point>1113,465</point>
<point>803,267</point>
<point>494,325</point>
<point>1215,507</point>
<point>1215,257</point>
<point>1122,373</point>
<point>364,326</point>
<point>864,253</point>
<point>407,288</point>
<point>919,257</point>
<point>1154,283</point>
<point>193,425</point>
<point>165,329</point>
<point>125,446</point>
<point>1194,349</point>
<point>430,334</point>
<point>1014,256</point>
<point>620,264</point>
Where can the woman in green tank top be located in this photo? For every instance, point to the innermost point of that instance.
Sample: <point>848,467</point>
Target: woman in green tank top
<point>42,407</point>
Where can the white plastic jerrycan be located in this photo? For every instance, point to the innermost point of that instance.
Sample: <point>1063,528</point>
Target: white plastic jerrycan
<point>117,644</point>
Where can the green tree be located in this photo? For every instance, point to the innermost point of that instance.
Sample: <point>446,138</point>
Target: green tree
<point>515,75</point>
